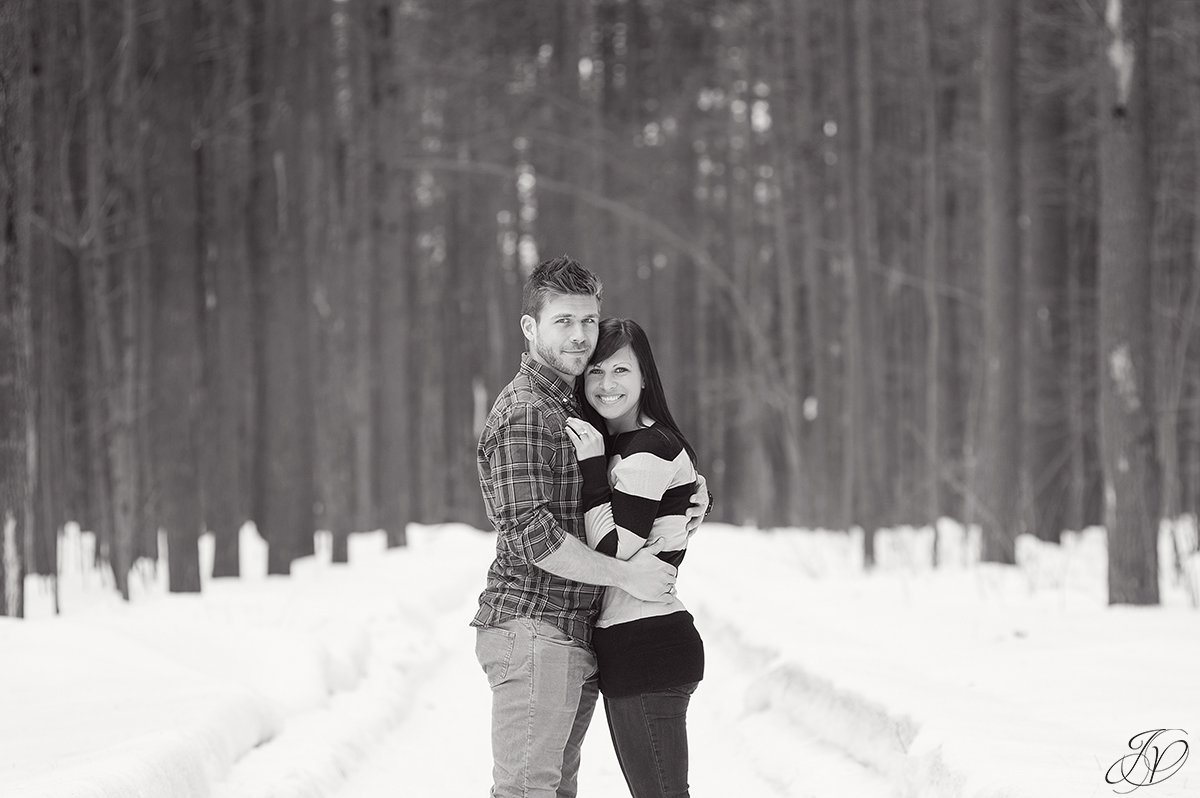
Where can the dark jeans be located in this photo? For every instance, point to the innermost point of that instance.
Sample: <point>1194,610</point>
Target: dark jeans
<point>649,733</point>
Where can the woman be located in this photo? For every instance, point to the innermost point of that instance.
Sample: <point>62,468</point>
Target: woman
<point>649,654</point>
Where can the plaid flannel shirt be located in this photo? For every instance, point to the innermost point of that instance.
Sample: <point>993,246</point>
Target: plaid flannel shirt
<point>531,489</point>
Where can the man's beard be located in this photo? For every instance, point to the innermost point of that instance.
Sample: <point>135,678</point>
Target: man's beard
<point>556,361</point>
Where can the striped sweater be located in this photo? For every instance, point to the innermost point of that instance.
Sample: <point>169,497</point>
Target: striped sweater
<point>641,495</point>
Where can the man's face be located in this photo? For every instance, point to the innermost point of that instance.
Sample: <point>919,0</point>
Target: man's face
<point>564,334</point>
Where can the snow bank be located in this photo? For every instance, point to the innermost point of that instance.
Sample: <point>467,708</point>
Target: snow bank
<point>984,681</point>
<point>163,695</point>
<point>102,715</point>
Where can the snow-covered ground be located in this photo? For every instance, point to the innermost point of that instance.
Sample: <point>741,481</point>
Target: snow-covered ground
<point>360,681</point>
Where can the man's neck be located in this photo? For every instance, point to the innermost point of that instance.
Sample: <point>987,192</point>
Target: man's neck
<point>567,379</point>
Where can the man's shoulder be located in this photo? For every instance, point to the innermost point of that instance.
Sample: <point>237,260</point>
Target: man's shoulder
<point>523,393</point>
<point>521,407</point>
<point>517,397</point>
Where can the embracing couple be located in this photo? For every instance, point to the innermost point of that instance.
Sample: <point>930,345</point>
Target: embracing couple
<point>593,492</point>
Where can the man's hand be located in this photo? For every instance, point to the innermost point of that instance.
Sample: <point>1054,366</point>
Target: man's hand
<point>699,506</point>
<point>648,577</point>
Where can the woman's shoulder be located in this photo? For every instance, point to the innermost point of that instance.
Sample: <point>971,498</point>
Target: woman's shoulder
<point>654,439</point>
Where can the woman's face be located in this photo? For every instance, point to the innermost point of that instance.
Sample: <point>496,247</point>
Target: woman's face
<point>613,388</point>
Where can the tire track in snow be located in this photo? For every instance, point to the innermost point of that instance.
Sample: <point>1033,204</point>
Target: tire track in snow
<point>740,743</point>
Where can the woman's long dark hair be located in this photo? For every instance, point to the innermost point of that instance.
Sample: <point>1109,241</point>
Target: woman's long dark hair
<point>614,334</point>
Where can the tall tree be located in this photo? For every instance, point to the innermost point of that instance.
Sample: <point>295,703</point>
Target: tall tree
<point>934,256</point>
<point>285,506</point>
<point>112,288</point>
<point>62,454</point>
<point>178,246</point>
<point>1086,470</point>
<point>223,151</point>
<point>798,112</point>
<point>1127,431</point>
<point>997,484</point>
<point>1175,247</point>
<point>334,279</point>
<point>394,413</point>
<point>353,50</point>
<point>794,207</point>
<point>865,448</point>
<point>1045,457</point>
<point>17,443</point>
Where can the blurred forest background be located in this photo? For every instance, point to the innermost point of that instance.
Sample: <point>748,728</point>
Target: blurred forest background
<point>261,259</point>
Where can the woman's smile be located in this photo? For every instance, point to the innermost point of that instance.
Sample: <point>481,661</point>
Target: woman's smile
<point>613,387</point>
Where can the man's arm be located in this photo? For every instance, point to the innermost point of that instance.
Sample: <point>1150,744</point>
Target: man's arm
<point>519,462</point>
<point>643,575</point>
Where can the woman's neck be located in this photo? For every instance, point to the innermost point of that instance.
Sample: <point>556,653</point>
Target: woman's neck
<point>618,427</point>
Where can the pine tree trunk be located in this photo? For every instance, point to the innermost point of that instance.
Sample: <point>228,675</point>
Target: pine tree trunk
<point>820,406</point>
<point>1046,459</point>
<point>228,362</point>
<point>393,412</point>
<point>997,489</point>
<point>110,291</point>
<point>333,290</point>
<point>1127,432</point>
<point>1176,298</point>
<point>794,487</point>
<point>176,401</point>
<point>14,393</point>
<point>18,442</point>
<point>285,505</point>
<point>866,454</point>
<point>360,249</point>
<point>1086,472</point>
<point>934,256</point>
<point>1190,446</point>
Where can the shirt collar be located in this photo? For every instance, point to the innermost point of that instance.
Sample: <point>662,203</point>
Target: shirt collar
<point>549,381</point>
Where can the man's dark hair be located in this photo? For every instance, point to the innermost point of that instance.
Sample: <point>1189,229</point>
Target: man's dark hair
<point>562,276</point>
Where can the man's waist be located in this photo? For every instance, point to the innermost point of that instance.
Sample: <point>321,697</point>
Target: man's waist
<point>498,608</point>
<point>547,593</point>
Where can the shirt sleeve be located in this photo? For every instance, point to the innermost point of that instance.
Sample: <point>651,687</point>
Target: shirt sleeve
<point>618,520</point>
<point>598,522</point>
<point>520,460</point>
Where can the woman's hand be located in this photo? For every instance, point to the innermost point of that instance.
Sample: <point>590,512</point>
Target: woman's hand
<point>588,441</point>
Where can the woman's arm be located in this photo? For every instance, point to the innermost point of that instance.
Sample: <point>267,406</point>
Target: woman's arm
<point>620,519</point>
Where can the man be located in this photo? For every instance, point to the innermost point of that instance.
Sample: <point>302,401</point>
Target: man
<point>543,591</point>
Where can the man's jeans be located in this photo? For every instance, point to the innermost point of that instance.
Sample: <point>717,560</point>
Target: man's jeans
<point>544,690</point>
<point>649,732</point>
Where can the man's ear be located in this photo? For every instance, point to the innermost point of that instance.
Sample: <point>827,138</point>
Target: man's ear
<point>528,324</point>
